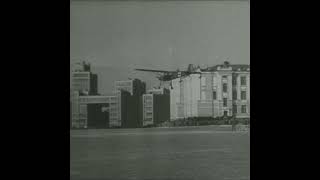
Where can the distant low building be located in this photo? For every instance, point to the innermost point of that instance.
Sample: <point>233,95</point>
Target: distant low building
<point>101,111</point>
<point>122,108</point>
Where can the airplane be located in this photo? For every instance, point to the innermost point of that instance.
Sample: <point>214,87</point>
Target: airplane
<point>164,75</point>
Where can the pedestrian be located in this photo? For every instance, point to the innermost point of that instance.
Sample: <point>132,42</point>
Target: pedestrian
<point>233,123</point>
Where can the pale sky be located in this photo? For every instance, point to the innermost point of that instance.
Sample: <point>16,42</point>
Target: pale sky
<point>120,36</point>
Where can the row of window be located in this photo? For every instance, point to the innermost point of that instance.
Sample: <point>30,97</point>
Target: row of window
<point>148,108</point>
<point>243,109</point>
<point>113,114</point>
<point>148,119</point>
<point>243,95</point>
<point>125,83</point>
<point>75,75</point>
<point>243,80</point>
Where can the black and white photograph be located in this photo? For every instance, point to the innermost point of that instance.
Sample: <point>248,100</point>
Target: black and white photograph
<point>160,90</point>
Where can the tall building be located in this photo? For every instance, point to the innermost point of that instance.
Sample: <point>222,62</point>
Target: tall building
<point>83,80</point>
<point>241,92</point>
<point>156,106</point>
<point>131,110</point>
<point>134,87</point>
<point>131,102</point>
<point>222,90</point>
<point>85,103</point>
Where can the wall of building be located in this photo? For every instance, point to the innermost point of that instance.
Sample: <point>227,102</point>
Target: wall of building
<point>147,105</point>
<point>175,99</point>
<point>228,95</point>
<point>161,108</point>
<point>80,81</point>
<point>80,113</point>
<point>192,96</point>
<point>75,110</point>
<point>239,102</point>
<point>126,85</point>
<point>131,110</point>
<point>184,97</point>
<point>139,87</point>
<point>115,110</point>
<point>205,100</point>
<point>97,116</point>
<point>70,114</point>
<point>93,84</point>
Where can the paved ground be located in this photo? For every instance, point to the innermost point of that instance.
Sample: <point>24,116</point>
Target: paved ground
<point>183,153</point>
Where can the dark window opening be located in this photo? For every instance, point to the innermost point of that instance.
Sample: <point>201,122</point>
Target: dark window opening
<point>243,109</point>
<point>243,95</point>
<point>225,87</point>
<point>243,80</point>
<point>225,101</point>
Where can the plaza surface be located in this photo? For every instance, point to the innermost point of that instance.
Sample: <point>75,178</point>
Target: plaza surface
<point>188,153</point>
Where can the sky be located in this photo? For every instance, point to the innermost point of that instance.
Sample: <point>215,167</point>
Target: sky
<point>116,37</point>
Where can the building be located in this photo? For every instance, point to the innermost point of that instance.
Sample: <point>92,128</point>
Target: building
<point>83,80</point>
<point>131,102</point>
<point>222,90</point>
<point>134,87</point>
<point>156,106</point>
<point>131,110</point>
<point>241,92</point>
<point>123,108</point>
<point>88,109</point>
<point>100,111</point>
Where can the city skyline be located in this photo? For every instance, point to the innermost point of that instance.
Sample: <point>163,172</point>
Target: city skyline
<point>157,35</point>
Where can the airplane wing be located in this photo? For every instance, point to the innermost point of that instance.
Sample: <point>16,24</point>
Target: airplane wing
<point>152,70</point>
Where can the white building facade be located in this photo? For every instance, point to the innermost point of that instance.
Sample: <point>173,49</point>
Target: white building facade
<point>223,90</point>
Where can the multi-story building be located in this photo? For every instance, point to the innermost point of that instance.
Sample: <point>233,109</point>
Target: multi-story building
<point>88,109</point>
<point>123,108</point>
<point>222,90</point>
<point>131,102</point>
<point>156,106</point>
<point>83,80</point>
<point>134,87</point>
<point>101,111</point>
<point>241,92</point>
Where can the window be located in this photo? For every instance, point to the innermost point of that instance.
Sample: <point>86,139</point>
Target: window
<point>234,108</point>
<point>214,95</point>
<point>243,95</point>
<point>203,81</point>
<point>243,80</point>
<point>224,77</point>
<point>225,101</point>
<point>148,119</point>
<point>234,95</point>
<point>203,95</point>
<point>234,80</point>
<point>225,87</point>
<point>225,113</point>
<point>243,109</point>
<point>148,109</point>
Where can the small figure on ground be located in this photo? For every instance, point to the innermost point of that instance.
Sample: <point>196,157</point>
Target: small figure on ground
<point>234,123</point>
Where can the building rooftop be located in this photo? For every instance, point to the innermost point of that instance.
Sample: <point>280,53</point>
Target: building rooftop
<point>235,67</point>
